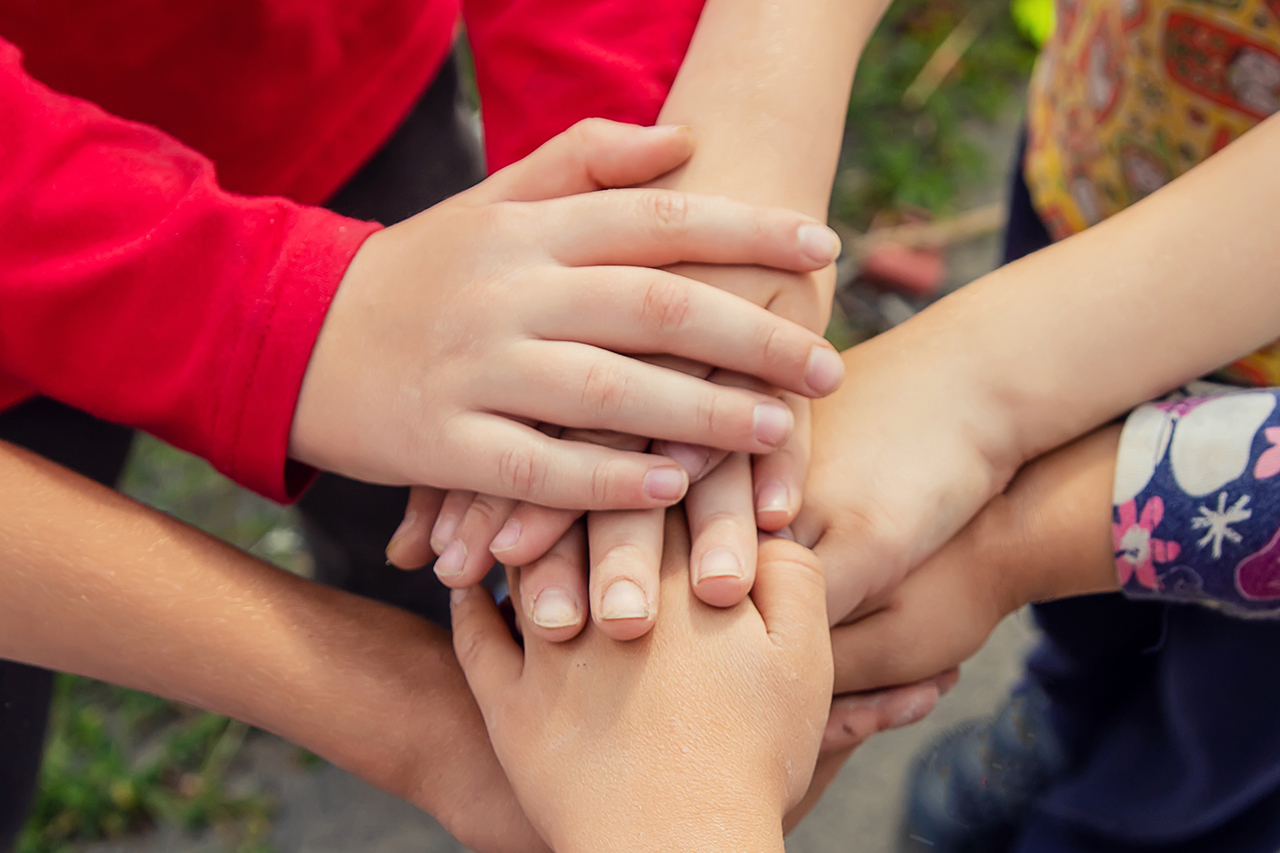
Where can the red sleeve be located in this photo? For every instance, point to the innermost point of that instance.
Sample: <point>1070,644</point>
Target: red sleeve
<point>542,65</point>
<point>133,287</point>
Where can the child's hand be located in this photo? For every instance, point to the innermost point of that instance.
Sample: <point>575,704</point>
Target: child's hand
<point>697,737</point>
<point>903,456</point>
<point>1048,536</point>
<point>724,507</point>
<point>456,329</point>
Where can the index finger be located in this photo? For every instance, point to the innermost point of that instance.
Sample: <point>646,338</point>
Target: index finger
<point>656,228</point>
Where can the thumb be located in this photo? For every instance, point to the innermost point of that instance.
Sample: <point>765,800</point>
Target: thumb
<point>592,155</point>
<point>790,594</point>
<point>489,657</point>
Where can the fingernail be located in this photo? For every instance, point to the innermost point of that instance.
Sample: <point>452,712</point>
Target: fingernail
<point>771,423</point>
<point>450,563</point>
<point>819,242</point>
<point>692,457</point>
<point>666,484</point>
<point>410,518</point>
<point>824,371</point>
<point>624,599</point>
<point>507,537</point>
<point>719,563</point>
<point>442,533</point>
<point>917,709</point>
<point>670,128</point>
<point>773,496</point>
<point>554,608</point>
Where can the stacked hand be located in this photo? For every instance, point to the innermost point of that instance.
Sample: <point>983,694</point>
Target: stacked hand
<point>1047,536</point>
<point>908,451</point>
<point>699,736</point>
<point>512,304</point>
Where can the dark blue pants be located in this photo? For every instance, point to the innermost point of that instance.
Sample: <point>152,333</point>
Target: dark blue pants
<point>1170,713</point>
<point>433,155</point>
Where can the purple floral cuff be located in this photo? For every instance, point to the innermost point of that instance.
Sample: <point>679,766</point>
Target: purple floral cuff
<point>1196,506</point>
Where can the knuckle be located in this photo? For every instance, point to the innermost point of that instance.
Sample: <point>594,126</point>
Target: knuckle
<point>775,348</point>
<point>605,390</point>
<point>727,524</point>
<point>522,472</point>
<point>588,129</point>
<point>603,482</point>
<point>466,644</point>
<point>669,210</point>
<point>489,509</point>
<point>707,412</point>
<point>498,217</point>
<point>666,305</point>
<point>626,559</point>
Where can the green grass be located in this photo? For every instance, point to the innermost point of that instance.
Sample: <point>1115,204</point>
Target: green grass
<point>896,157</point>
<point>119,761</point>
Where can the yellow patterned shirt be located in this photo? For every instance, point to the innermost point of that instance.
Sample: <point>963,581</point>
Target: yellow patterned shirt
<point>1129,94</point>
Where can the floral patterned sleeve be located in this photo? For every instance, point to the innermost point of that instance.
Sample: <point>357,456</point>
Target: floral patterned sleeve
<point>1196,513</point>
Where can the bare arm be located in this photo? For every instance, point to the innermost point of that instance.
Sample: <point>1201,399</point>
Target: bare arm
<point>98,585</point>
<point>765,86</point>
<point>939,413</point>
<point>1181,283</point>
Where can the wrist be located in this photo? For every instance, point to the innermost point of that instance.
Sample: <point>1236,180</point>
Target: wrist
<point>1055,521</point>
<point>995,403</point>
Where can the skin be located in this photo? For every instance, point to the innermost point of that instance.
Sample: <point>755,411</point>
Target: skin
<point>757,80</point>
<point>388,400</point>
<point>1047,536</point>
<point>97,585</point>
<point>852,718</point>
<point>949,405</point>
<point>730,704</point>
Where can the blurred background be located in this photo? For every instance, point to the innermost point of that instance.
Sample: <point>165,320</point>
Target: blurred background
<point>933,125</point>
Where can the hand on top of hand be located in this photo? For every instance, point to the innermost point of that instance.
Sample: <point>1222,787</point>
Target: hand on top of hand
<point>1047,536</point>
<point>724,505</point>
<point>727,705</point>
<point>904,455</point>
<point>508,305</point>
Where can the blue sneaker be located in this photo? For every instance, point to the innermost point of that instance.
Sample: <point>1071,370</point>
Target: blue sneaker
<point>969,790</point>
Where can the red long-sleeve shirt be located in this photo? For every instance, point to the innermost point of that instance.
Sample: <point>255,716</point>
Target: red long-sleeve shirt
<point>136,284</point>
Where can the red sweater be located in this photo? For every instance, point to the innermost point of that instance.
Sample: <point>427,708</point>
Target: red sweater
<point>137,285</point>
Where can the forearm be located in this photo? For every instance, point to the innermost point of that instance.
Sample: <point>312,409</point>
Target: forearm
<point>766,86</point>
<point>1174,287</point>
<point>96,585</point>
